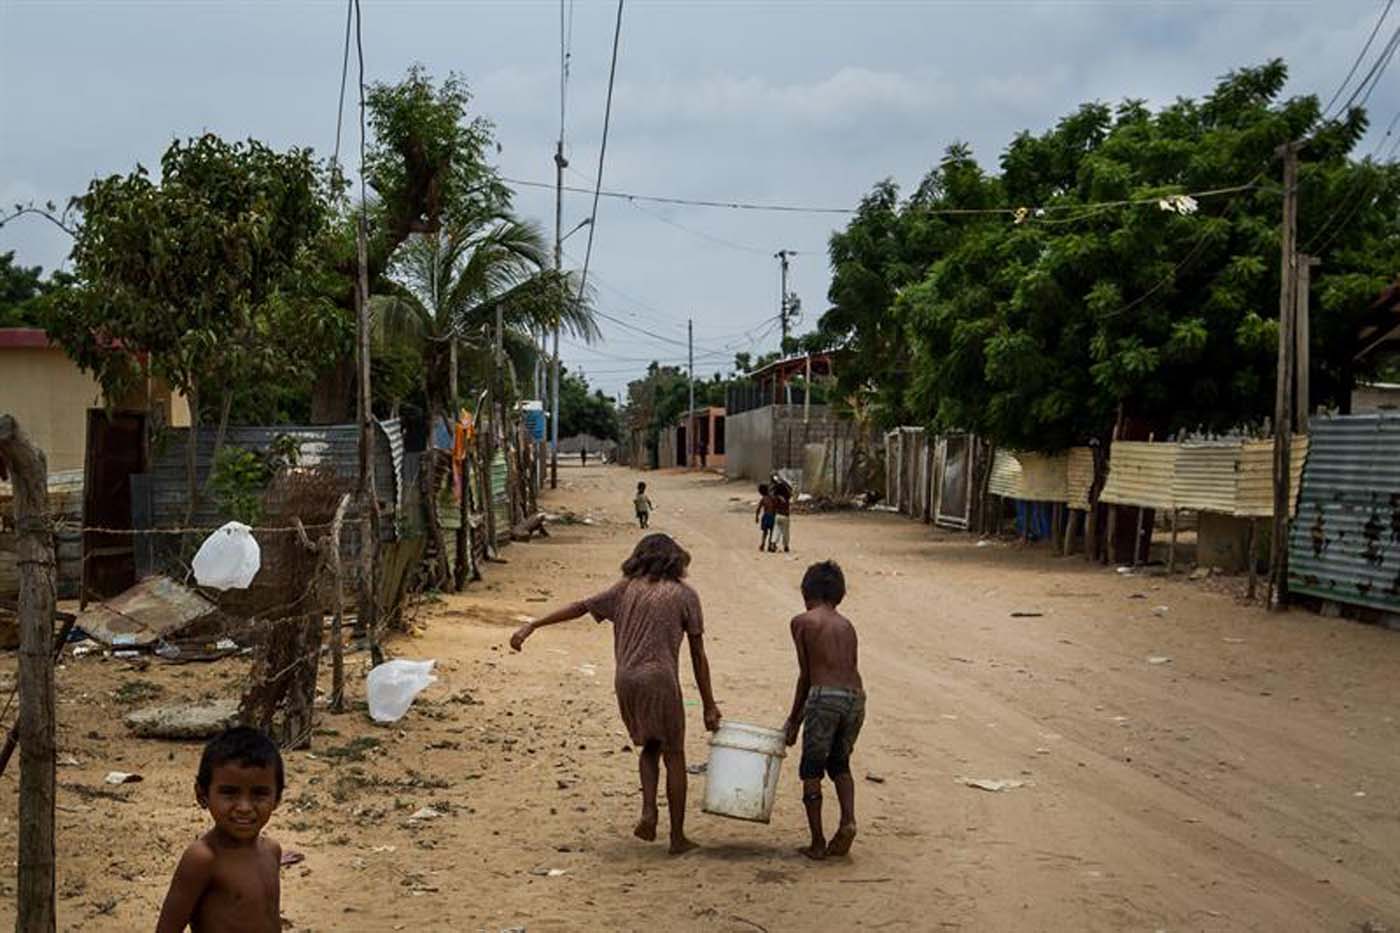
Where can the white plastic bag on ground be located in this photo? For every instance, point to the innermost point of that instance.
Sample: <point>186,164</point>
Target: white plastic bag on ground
<point>228,559</point>
<point>392,686</point>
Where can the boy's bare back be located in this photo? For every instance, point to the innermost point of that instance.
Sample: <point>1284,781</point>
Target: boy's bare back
<point>227,887</point>
<point>828,641</point>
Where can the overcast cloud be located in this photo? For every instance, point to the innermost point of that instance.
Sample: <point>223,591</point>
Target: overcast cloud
<point>789,102</point>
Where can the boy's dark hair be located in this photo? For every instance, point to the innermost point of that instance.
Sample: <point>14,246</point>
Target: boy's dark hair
<point>641,487</point>
<point>824,583</point>
<point>657,557</point>
<point>243,745</point>
<point>763,489</point>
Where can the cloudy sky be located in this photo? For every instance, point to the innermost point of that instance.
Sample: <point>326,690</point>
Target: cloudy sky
<point>805,103</point>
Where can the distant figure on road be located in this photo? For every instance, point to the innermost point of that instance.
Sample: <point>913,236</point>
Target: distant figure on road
<point>643,505</point>
<point>583,456</point>
<point>829,705</point>
<point>782,514</point>
<point>765,515</point>
<point>704,452</point>
<point>652,610</point>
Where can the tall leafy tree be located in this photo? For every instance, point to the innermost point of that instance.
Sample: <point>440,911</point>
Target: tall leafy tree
<point>198,277</point>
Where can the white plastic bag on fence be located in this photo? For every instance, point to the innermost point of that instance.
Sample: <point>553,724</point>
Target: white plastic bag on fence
<point>228,559</point>
<point>392,686</point>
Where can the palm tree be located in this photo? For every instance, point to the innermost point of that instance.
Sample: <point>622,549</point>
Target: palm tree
<point>446,290</point>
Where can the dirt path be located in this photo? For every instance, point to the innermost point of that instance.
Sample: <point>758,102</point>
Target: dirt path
<point>1247,783</point>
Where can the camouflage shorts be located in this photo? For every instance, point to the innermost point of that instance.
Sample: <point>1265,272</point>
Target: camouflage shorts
<point>831,723</point>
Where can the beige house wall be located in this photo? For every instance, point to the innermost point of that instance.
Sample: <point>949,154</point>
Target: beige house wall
<point>49,396</point>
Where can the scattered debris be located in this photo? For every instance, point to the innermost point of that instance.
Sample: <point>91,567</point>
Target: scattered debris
<point>1137,595</point>
<point>874,779</point>
<point>1233,641</point>
<point>150,610</point>
<point>1200,573</point>
<point>699,768</point>
<point>292,857</point>
<point>183,720</point>
<point>1026,614</point>
<point>425,813</point>
<point>121,777</point>
<point>1159,659</point>
<point>1160,611</point>
<point>392,686</point>
<point>990,784</point>
<point>549,872</point>
<point>1126,571</point>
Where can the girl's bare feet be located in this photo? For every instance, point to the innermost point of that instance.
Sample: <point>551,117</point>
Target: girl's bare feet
<point>816,851</point>
<point>646,828</point>
<point>680,845</point>
<point>841,842</point>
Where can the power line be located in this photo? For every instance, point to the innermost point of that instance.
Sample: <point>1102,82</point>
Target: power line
<point>602,149</point>
<point>344,72</point>
<point>797,209</point>
<point>1359,58</point>
<point>1373,77</point>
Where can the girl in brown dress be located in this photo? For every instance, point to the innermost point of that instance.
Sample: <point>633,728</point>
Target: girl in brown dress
<point>652,609</point>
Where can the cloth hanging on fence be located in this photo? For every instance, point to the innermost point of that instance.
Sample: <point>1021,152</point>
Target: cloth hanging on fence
<point>463,435</point>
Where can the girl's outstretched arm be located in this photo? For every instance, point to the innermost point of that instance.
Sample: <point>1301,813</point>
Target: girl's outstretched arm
<point>565,614</point>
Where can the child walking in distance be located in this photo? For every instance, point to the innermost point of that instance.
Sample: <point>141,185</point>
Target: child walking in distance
<point>765,515</point>
<point>829,705</point>
<point>782,516</point>
<point>644,506</point>
<point>652,609</point>
<point>228,878</point>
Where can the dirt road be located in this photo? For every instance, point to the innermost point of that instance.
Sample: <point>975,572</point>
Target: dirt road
<point>1246,782</point>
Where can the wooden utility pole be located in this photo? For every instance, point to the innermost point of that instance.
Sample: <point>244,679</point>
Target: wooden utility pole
<point>1283,394</point>
<point>37,792</point>
<point>368,500</point>
<point>782,257</point>
<point>690,418</point>
<point>559,164</point>
<point>337,575</point>
<point>1302,406</point>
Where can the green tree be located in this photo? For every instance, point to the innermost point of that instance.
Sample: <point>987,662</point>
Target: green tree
<point>444,290</point>
<point>427,171</point>
<point>24,291</point>
<point>1038,324</point>
<point>199,277</point>
<point>586,412</point>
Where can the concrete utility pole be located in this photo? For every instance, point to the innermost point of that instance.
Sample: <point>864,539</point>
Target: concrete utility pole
<point>1283,392</point>
<point>690,418</point>
<point>782,257</point>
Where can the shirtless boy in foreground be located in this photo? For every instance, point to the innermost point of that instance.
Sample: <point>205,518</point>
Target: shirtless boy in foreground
<point>829,705</point>
<point>228,879</point>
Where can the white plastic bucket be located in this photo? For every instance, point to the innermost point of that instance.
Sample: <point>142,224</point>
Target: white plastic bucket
<point>741,780</point>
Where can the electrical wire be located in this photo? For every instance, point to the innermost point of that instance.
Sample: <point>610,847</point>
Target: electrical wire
<point>1359,58</point>
<point>344,73</point>
<point>1373,77</point>
<point>602,150</point>
<point>797,209</point>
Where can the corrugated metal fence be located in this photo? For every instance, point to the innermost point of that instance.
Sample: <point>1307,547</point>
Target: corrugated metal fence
<point>1345,542</point>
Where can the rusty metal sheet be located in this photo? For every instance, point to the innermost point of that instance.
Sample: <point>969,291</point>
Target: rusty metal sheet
<point>1344,544</point>
<point>150,610</point>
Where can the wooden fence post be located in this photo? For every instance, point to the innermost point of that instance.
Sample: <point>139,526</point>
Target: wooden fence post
<point>338,607</point>
<point>29,474</point>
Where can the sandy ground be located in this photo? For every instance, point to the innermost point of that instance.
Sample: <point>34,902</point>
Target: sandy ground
<point>1247,783</point>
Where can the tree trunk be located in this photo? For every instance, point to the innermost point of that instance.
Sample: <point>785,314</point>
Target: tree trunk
<point>428,489</point>
<point>29,475</point>
<point>464,541</point>
<point>337,572</point>
<point>453,401</point>
<point>225,408</point>
<point>332,397</point>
